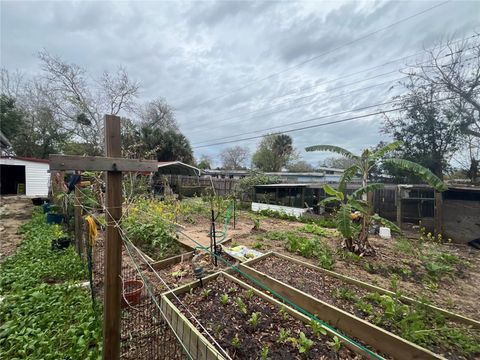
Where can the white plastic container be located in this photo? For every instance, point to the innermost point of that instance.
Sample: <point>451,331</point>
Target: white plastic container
<point>384,233</point>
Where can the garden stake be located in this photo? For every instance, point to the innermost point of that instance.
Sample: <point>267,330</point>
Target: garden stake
<point>214,239</point>
<point>234,212</point>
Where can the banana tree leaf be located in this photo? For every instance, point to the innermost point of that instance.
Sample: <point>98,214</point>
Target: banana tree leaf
<point>348,174</point>
<point>426,175</point>
<point>329,199</point>
<point>380,153</point>
<point>332,192</point>
<point>359,205</point>
<point>332,148</point>
<point>366,189</point>
<point>344,221</point>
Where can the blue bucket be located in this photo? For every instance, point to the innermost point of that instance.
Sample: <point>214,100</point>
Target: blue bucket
<point>46,208</point>
<point>54,218</point>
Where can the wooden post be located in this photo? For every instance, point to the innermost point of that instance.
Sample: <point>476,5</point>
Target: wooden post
<point>113,245</point>
<point>78,220</point>
<point>399,207</point>
<point>234,212</point>
<point>438,213</point>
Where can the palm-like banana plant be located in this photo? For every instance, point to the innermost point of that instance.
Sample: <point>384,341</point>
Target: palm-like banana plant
<point>363,165</point>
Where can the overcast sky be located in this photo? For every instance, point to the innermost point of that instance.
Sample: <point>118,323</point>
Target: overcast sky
<point>215,61</point>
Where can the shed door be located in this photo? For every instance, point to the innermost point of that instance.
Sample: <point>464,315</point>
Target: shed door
<point>12,179</point>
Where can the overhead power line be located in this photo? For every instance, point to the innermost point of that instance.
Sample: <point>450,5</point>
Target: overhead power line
<point>296,100</point>
<point>306,103</point>
<point>325,53</point>
<point>315,126</point>
<point>273,106</point>
<point>300,122</point>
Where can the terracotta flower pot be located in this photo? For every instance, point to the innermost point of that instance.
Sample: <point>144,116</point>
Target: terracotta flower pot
<point>132,291</point>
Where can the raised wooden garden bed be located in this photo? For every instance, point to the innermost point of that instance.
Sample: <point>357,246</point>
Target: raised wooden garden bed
<point>353,306</point>
<point>178,270</point>
<point>286,333</point>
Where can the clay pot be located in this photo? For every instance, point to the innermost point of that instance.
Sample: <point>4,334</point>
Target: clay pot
<point>132,291</point>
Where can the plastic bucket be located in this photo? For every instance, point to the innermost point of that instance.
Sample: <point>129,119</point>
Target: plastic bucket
<point>132,291</point>
<point>384,233</point>
<point>54,218</point>
<point>46,208</point>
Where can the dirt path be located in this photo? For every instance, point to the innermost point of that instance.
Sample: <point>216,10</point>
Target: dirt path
<point>14,211</point>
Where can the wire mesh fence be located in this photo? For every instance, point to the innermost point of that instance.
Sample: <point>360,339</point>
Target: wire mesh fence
<point>145,333</point>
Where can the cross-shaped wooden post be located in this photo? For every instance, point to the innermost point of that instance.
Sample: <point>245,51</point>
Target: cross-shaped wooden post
<point>113,164</point>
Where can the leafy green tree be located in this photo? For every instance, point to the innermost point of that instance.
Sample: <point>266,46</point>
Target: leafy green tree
<point>428,128</point>
<point>11,117</point>
<point>363,165</point>
<point>205,162</point>
<point>273,153</point>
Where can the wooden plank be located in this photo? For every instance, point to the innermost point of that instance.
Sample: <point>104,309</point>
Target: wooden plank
<point>438,213</point>
<point>78,221</point>
<point>197,345</point>
<point>368,333</point>
<point>100,163</point>
<point>406,299</point>
<point>113,246</point>
<point>162,264</point>
<point>399,207</point>
<point>186,288</point>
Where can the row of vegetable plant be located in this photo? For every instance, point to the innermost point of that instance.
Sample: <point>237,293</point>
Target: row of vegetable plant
<point>44,314</point>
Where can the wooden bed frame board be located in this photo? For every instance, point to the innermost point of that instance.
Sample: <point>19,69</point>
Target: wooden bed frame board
<point>162,264</point>
<point>351,325</point>
<point>198,336</point>
<point>446,313</point>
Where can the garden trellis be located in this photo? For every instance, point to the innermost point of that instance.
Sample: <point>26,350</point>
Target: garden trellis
<point>113,164</point>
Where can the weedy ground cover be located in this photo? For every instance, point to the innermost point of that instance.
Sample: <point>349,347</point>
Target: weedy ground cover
<point>43,315</point>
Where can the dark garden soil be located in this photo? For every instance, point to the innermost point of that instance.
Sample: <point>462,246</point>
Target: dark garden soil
<point>374,308</point>
<point>227,322</point>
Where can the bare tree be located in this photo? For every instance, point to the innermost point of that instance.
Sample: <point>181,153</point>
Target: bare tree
<point>454,68</point>
<point>336,162</point>
<point>158,114</point>
<point>80,104</point>
<point>234,157</point>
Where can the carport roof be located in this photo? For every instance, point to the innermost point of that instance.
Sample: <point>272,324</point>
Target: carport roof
<point>177,168</point>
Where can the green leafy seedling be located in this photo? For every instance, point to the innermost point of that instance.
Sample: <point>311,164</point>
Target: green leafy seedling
<point>241,305</point>
<point>283,336</point>
<point>284,313</point>
<point>224,299</point>
<point>264,353</point>
<point>206,292</point>
<point>336,344</point>
<point>317,328</point>
<point>254,318</point>
<point>236,343</point>
<point>249,293</point>
<point>304,343</point>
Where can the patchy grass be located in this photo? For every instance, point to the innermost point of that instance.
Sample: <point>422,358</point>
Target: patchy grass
<point>40,320</point>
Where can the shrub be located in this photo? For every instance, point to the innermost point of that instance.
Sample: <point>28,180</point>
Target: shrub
<point>149,225</point>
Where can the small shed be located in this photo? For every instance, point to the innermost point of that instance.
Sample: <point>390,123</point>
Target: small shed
<point>24,176</point>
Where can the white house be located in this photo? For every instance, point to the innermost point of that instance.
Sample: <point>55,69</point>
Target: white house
<point>21,175</point>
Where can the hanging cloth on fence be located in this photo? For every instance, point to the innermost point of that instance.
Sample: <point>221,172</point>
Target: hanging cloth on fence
<point>92,231</point>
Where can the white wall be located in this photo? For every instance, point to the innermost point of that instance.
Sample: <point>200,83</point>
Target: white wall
<point>281,209</point>
<point>36,176</point>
